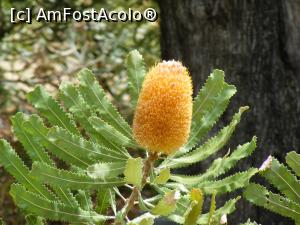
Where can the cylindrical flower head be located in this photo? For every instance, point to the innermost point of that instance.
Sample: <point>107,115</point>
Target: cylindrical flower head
<point>163,114</point>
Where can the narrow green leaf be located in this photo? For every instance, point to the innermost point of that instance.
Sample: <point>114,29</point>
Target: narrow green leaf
<point>58,142</point>
<point>293,160</point>
<point>67,179</point>
<point>195,210</point>
<point>209,105</point>
<point>205,99</point>
<point>227,208</point>
<point>94,95</point>
<point>109,132</point>
<point>260,196</point>
<point>84,200</point>
<point>66,196</point>
<point>228,184</point>
<point>49,108</point>
<point>83,196</point>
<point>15,166</point>
<point>208,148</point>
<point>36,134</point>
<point>112,200</point>
<point>78,151</point>
<point>33,149</point>
<point>136,73</point>
<point>106,170</point>
<point>219,165</point>
<point>133,171</point>
<point>36,128</point>
<point>103,200</point>
<point>163,176</point>
<point>278,175</point>
<point>166,205</point>
<point>75,103</point>
<point>212,209</point>
<point>50,209</point>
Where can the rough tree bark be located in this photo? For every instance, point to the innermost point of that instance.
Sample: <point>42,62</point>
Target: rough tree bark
<point>257,44</point>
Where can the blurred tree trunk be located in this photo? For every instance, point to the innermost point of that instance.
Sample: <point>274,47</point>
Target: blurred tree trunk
<point>257,44</point>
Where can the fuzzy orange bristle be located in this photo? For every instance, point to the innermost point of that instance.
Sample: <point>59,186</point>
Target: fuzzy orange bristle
<point>163,114</point>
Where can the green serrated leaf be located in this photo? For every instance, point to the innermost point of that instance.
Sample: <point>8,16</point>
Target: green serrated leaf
<point>95,97</point>
<point>219,165</point>
<point>136,74</point>
<point>35,126</point>
<point>166,205</point>
<point>209,105</point>
<point>75,103</point>
<point>109,132</point>
<point>103,200</point>
<point>212,209</point>
<point>15,166</point>
<point>67,179</point>
<point>208,148</point>
<point>49,108</point>
<point>228,184</point>
<point>134,171</point>
<point>106,170</point>
<point>205,98</point>
<point>78,151</point>
<point>293,160</point>
<point>84,200</point>
<point>50,209</point>
<point>195,208</point>
<point>278,175</point>
<point>33,149</point>
<point>227,208</point>
<point>83,196</point>
<point>163,176</point>
<point>34,139</point>
<point>260,196</point>
<point>66,196</point>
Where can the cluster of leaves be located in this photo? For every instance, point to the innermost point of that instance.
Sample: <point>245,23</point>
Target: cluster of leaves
<point>93,141</point>
<point>47,53</point>
<point>287,203</point>
<point>50,52</point>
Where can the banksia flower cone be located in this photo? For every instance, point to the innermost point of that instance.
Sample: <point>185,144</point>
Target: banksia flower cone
<point>163,114</point>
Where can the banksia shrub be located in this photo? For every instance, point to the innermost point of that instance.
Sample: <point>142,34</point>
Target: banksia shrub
<point>96,145</point>
<point>163,114</point>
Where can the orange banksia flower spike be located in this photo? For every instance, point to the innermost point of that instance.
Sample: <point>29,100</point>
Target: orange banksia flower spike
<point>163,114</point>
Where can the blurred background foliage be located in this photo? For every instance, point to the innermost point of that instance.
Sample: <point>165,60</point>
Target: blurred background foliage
<point>48,53</point>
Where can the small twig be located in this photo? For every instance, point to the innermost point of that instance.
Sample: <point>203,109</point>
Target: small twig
<point>119,194</point>
<point>128,186</point>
